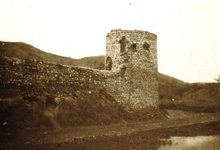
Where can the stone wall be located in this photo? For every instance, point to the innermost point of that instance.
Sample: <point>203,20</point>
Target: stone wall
<point>22,76</point>
<point>131,80</point>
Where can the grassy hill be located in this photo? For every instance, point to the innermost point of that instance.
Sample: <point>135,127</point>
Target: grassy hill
<point>96,62</point>
<point>25,51</point>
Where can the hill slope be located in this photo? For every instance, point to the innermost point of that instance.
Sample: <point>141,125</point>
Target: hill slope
<point>25,51</point>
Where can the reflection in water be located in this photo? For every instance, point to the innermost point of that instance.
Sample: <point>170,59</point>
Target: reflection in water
<point>192,143</point>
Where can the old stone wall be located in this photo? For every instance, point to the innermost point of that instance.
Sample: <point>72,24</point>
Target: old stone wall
<point>28,77</point>
<point>131,75</point>
<point>22,76</point>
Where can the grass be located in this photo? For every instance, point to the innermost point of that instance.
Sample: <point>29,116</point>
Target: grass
<point>191,105</point>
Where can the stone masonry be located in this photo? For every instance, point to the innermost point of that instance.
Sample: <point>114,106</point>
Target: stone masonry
<point>130,76</point>
<point>134,53</point>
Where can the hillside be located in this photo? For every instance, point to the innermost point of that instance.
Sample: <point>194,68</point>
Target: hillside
<point>25,51</point>
<point>96,62</point>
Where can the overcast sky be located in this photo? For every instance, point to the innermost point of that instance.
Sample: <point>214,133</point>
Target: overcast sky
<point>188,31</point>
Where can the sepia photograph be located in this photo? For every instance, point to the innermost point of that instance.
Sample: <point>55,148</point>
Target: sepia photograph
<point>109,75</point>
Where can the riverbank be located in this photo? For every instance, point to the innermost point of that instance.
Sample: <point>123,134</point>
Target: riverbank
<point>93,137</point>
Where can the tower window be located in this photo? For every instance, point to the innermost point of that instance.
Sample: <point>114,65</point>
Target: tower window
<point>133,47</point>
<point>146,46</point>
<point>123,43</point>
<point>108,65</point>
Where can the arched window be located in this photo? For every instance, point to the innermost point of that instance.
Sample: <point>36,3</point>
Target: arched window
<point>108,64</point>
<point>123,43</point>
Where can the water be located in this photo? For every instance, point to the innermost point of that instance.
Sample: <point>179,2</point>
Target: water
<point>194,137</point>
<point>191,143</point>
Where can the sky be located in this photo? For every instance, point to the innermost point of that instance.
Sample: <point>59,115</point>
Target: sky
<point>188,34</point>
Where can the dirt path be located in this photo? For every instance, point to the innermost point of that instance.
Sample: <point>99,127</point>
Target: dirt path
<point>34,139</point>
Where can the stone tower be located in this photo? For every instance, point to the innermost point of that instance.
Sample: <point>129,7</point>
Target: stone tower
<point>134,53</point>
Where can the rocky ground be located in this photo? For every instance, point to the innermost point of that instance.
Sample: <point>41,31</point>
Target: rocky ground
<point>124,135</point>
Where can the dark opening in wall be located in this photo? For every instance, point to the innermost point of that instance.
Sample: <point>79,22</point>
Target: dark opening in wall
<point>133,47</point>
<point>123,43</point>
<point>146,46</point>
<point>108,65</point>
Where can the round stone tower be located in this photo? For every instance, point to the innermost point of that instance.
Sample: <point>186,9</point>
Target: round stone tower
<point>134,53</point>
<point>141,46</point>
